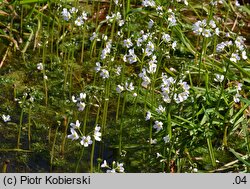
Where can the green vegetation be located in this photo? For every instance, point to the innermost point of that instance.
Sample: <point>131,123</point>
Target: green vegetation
<point>124,86</point>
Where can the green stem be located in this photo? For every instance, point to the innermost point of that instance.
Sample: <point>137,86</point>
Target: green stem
<point>79,160</point>
<point>29,128</point>
<point>92,157</point>
<point>211,152</point>
<point>65,124</point>
<point>121,124</point>
<point>52,152</point>
<point>20,129</point>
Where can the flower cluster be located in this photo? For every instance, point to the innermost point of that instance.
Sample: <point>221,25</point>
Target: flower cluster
<point>116,167</point>
<point>115,17</point>
<point>171,18</point>
<point>158,125</point>
<point>103,72</point>
<point>127,86</point>
<point>68,14</point>
<point>169,87</point>
<point>85,140</point>
<point>149,49</point>
<point>80,101</point>
<point>146,80</point>
<point>106,50</point>
<point>148,3</point>
<point>205,28</point>
<point>237,95</point>
<point>97,134</point>
<point>152,65</point>
<point>130,57</point>
<point>239,50</point>
<point>143,38</point>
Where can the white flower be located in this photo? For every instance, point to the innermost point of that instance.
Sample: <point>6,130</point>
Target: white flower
<point>148,3</point>
<point>6,118</point>
<point>145,78</point>
<point>217,31</point>
<point>153,141</point>
<point>166,98</point>
<point>79,21</point>
<point>181,97</point>
<point>158,126</point>
<point>219,78</point>
<point>174,44</point>
<point>97,133</point>
<point>81,106</point>
<point>98,67</point>
<point>244,55</point>
<point>118,70</point>
<point>104,74</point>
<point>167,81</point>
<point>239,85</point>
<point>159,10</point>
<point>131,57</point>
<point>148,116</point>
<point>104,37</point>
<point>195,170</point>
<point>94,36</point>
<point>119,88</point>
<point>150,23</point>
<point>234,57</point>
<point>239,42</point>
<point>121,23</point>
<point>166,37</point>
<point>212,24</point>
<point>104,164</point>
<point>184,85</point>
<point>172,19</point>
<point>149,49</point>
<point>236,98</point>
<point>152,67</point>
<point>86,141</point>
<point>146,81</point>
<point>227,34</point>
<point>160,109</point>
<point>197,29</point>
<point>166,139</point>
<point>206,33</point>
<point>66,14</point>
<point>75,125</point>
<point>82,96</point>
<point>74,135</point>
<point>127,43</point>
<point>73,10</point>
<point>120,167</point>
<point>111,171</point>
<point>158,155</point>
<point>40,66</point>
<point>129,87</point>
<point>220,47</point>
<point>106,50</point>
<point>84,15</point>
<point>237,4</point>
